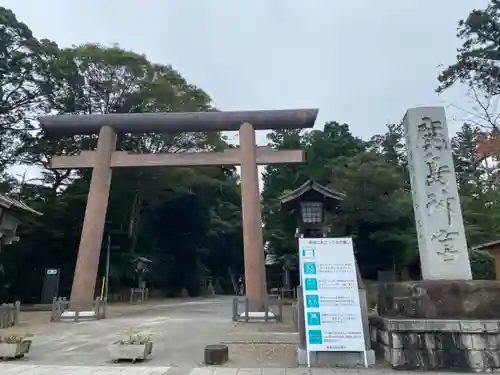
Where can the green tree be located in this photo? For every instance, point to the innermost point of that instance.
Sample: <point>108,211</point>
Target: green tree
<point>469,162</point>
<point>478,57</point>
<point>478,193</point>
<point>184,219</point>
<point>320,147</point>
<point>23,80</point>
<point>377,211</point>
<point>476,147</point>
<point>390,144</point>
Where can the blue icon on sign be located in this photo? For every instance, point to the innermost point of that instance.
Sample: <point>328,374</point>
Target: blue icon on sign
<point>311,284</point>
<point>312,301</point>
<point>313,319</point>
<point>315,336</point>
<point>310,268</point>
<point>309,253</point>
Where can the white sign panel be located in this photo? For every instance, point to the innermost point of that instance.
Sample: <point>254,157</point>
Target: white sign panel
<point>331,301</point>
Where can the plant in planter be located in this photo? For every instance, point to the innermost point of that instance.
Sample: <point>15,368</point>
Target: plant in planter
<point>15,345</point>
<point>133,346</point>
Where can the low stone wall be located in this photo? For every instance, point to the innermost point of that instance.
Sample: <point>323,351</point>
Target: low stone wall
<point>431,344</point>
<point>440,299</point>
<point>438,325</point>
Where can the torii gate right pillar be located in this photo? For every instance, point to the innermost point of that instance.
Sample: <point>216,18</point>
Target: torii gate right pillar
<point>255,270</point>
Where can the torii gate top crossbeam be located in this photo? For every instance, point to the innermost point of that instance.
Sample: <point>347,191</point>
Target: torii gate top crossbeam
<point>174,122</point>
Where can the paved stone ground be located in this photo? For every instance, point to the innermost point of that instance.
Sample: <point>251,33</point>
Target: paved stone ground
<point>180,332</point>
<point>11,369</point>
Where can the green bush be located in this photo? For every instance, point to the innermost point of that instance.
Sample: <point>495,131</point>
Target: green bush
<point>482,265</point>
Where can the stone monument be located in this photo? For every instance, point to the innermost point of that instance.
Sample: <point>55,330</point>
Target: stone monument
<point>446,321</point>
<point>436,203</point>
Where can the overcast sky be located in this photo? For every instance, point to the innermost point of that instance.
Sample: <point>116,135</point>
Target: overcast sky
<point>362,62</point>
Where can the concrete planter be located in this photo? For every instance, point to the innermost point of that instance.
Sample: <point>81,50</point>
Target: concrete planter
<point>130,352</point>
<point>14,350</point>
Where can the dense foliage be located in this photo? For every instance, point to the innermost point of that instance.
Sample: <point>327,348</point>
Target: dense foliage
<point>188,220</point>
<point>378,211</point>
<point>478,58</point>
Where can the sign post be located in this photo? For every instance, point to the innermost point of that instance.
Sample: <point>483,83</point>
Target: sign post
<point>50,285</point>
<point>332,310</point>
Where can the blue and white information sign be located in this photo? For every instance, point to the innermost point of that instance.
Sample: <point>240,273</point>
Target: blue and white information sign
<point>332,310</point>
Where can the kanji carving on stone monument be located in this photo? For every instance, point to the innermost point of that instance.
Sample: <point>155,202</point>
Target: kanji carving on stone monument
<point>436,170</point>
<point>446,239</point>
<point>444,236</point>
<point>440,202</point>
<point>432,134</point>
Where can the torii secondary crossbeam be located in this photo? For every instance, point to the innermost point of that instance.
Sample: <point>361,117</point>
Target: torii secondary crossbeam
<point>105,157</point>
<point>264,155</point>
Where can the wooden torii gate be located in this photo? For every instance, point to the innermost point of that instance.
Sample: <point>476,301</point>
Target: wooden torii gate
<point>106,157</point>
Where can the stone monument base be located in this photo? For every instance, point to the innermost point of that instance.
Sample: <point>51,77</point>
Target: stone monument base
<point>433,344</point>
<point>71,316</point>
<point>66,311</point>
<point>246,310</point>
<point>440,299</point>
<point>257,315</point>
<point>438,324</point>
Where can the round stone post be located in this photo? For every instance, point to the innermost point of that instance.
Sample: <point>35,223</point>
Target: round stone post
<point>255,272</point>
<point>82,292</point>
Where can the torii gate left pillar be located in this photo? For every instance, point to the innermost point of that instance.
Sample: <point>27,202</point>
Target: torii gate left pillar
<point>87,263</point>
<point>105,158</point>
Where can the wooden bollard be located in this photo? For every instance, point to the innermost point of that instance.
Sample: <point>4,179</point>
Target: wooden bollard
<point>216,354</point>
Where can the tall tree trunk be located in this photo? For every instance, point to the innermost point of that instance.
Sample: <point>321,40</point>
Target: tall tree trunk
<point>133,226</point>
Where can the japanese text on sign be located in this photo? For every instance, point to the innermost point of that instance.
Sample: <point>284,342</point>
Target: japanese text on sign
<point>331,300</point>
